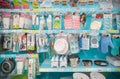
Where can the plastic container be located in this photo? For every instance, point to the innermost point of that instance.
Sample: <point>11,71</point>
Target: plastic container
<point>96,75</point>
<point>80,76</point>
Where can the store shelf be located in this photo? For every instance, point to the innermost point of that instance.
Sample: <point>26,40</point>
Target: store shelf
<point>18,55</point>
<point>58,31</point>
<point>10,31</point>
<point>89,9</point>
<point>63,10</point>
<point>46,67</point>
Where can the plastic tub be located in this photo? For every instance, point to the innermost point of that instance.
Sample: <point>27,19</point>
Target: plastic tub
<point>96,75</point>
<point>80,76</point>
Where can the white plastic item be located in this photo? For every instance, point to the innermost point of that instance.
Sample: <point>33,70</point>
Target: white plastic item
<point>54,61</point>
<point>42,23</point>
<point>95,75</point>
<point>61,46</point>
<point>80,76</point>
<point>20,66</point>
<point>63,61</point>
<point>31,69</point>
<point>113,60</point>
<point>85,43</point>
<point>94,42</point>
<point>49,22</point>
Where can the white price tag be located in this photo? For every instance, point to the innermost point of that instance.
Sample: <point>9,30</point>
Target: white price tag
<point>109,69</point>
<point>99,70</point>
<point>75,69</point>
<point>83,9</point>
<point>61,69</point>
<point>84,31</point>
<point>68,9</point>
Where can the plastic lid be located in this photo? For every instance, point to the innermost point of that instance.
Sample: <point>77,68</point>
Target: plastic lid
<point>80,76</point>
<point>96,75</point>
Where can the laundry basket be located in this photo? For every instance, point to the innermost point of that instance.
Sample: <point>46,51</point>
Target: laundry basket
<point>80,76</point>
<point>95,75</point>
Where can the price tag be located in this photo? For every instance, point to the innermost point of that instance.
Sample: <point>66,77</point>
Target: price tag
<point>109,8</point>
<point>101,8</point>
<point>112,31</point>
<point>109,69</point>
<point>45,69</point>
<point>36,10</point>
<point>53,9</point>
<point>84,9</point>
<point>104,32</point>
<point>92,9</point>
<point>68,9</point>
<point>49,31</point>
<point>11,10</point>
<point>75,69</point>
<point>87,69</point>
<point>28,10</point>
<point>85,31</point>
<point>34,55</point>
<point>48,9</point>
<point>118,69</point>
<point>25,31</point>
<point>75,31</point>
<point>78,9</point>
<point>61,69</point>
<point>35,31</point>
<point>99,70</point>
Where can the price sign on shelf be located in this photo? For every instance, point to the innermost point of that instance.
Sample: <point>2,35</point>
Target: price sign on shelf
<point>83,9</point>
<point>85,31</point>
<point>118,69</point>
<point>104,32</point>
<point>28,10</point>
<point>109,69</point>
<point>75,69</point>
<point>68,9</point>
<point>112,31</point>
<point>92,9</point>
<point>34,55</point>
<point>99,69</point>
<point>62,69</point>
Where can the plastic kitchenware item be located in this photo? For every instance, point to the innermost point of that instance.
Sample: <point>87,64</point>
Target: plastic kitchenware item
<point>74,60</point>
<point>8,65</point>
<point>61,46</point>
<point>87,62</point>
<point>114,60</point>
<point>95,75</point>
<point>101,62</point>
<point>80,76</point>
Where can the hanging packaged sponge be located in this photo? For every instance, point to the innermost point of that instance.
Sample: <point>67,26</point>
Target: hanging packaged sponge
<point>30,41</point>
<point>74,44</point>
<point>23,41</point>
<point>84,42</point>
<point>96,21</point>
<point>68,21</point>
<point>76,21</point>
<point>6,20</point>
